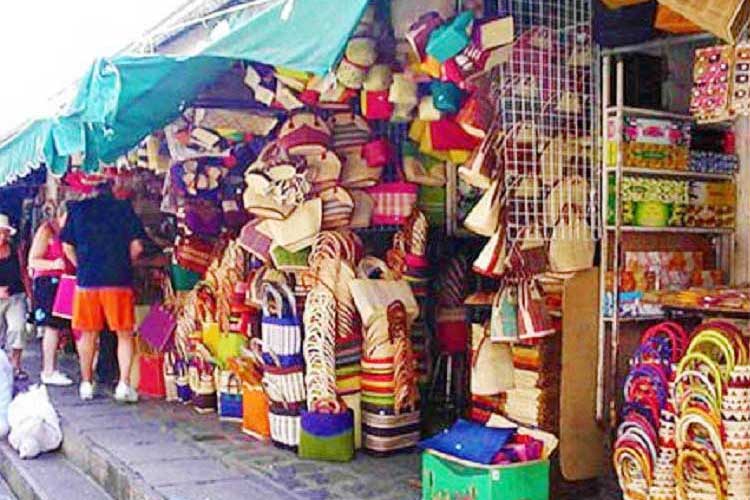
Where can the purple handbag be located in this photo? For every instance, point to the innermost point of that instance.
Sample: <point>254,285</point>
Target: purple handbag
<point>157,328</point>
<point>202,217</point>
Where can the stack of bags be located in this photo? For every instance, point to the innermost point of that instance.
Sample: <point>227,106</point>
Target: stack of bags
<point>408,257</point>
<point>332,260</point>
<point>534,400</point>
<point>390,412</point>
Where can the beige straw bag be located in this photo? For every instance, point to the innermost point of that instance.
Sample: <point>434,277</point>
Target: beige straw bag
<point>724,18</point>
<point>492,364</point>
<point>572,247</point>
<point>485,216</point>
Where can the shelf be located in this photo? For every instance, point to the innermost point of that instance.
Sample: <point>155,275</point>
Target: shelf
<point>655,113</point>
<point>691,230</point>
<point>672,173</point>
<point>636,319</point>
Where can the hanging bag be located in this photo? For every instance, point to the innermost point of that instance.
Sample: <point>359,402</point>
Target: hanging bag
<point>281,330</point>
<point>492,364</point>
<point>504,318</point>
<point>484,218</point>
<point>572,246</point>
<point>533,318</point>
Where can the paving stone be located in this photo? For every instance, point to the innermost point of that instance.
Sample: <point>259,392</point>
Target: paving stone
<point>189,470</point>
<point>234,489</point>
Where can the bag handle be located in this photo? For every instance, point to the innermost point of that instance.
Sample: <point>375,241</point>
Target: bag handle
<point>369,264</point>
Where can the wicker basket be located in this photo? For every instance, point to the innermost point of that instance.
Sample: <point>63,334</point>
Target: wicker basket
<point>723,18</point>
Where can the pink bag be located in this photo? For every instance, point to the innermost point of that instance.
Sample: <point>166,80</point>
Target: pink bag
<point>63,305</point>
<point>377,153</point>
<point>157,327</point>
<point>394,202</point>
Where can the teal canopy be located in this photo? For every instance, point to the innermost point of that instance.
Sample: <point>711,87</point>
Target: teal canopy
<point>123,99</point>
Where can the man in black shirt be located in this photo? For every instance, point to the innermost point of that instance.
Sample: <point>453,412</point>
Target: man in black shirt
<point>12,299</point>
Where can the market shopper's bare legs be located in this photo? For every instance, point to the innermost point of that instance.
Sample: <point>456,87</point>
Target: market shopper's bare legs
<point>50,342</point>
<point>125,355</point>
<point>86,350</point>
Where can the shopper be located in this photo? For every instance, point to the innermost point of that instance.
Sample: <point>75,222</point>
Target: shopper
<point>47,264</point>
<point>12,299</point>
<point>102,237</point>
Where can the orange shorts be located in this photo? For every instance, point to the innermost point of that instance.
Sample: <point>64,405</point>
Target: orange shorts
<point>92,306</point>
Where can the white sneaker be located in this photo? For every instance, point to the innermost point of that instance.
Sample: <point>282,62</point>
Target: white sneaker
<point>86,391</point>
<point>56,378</point>
<point>125,394</point>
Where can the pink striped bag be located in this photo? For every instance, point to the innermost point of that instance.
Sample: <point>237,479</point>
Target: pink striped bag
<point>394,202</point>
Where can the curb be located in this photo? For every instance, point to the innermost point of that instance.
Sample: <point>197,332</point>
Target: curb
<point>105,469</point>
<point>21,483</point>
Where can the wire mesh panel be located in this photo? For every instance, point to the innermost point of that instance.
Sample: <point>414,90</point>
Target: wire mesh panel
<point>548,105</point>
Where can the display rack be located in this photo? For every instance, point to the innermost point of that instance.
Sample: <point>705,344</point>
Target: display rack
<point>613,110</point>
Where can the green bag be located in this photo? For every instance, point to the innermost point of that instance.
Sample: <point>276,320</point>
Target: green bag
<point>183,280</point>
<point>327,436</point>
<point>229,346</point>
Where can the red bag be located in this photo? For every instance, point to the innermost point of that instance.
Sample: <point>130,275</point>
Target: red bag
<point>447,134</point>
<point>377,153</point>
<point>375,105</point>
<point>533,319</point>
<point>151,381</point>
<point>194,254</point>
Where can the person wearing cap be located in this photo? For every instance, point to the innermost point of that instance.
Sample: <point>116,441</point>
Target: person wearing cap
<point>12,299</point>
<point>102,237</point>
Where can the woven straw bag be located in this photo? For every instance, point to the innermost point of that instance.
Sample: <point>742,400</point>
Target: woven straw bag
<point>492,364</point>
<point>572,247</point>
<point>320,348</point>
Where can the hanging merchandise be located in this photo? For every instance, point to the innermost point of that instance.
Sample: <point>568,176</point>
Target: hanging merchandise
<point>712,79</point>
<point>492,364</point>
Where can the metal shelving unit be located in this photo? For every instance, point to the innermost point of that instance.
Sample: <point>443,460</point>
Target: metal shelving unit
<point>614,110</point>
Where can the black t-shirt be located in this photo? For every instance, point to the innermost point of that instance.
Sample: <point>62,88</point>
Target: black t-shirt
<point>10,273</point>
<point>101,230</point>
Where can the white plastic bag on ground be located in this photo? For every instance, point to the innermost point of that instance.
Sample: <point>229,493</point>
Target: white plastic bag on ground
<point>34,424</point>
<point>6,392</point>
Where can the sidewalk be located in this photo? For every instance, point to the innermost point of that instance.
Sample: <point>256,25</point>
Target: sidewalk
<point>164,450</point>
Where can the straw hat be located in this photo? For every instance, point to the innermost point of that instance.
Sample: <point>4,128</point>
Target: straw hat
<point>5,224</point>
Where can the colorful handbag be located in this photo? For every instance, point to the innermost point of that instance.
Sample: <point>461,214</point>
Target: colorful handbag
<point>447,135</point>
<point>151,368</point>
<point>285,427</point>
<point>183,280</point>
<point>338,206</point>
<point>384,433</point>
<point>305,134</point>
<point>63,304</point>
<point>254,241</point>
<point>255,412</point>
<point>194,254</point>
<point>202,386</point>
<point>355,172</point>
<point>446,97</point>
<point>375,105</point>
<point>202,217</point>
<point>394,202</point>
<point>363,208</point>
<point>327,436</point>
<point>533,319</point>
<point>377,153</point>
<point>182,381</point>
<point>449,39</point>
<point>229,396</point>
<point>504,316</point>
<point>158,327</point>
<point>281,329</point>
<point>419,32</point>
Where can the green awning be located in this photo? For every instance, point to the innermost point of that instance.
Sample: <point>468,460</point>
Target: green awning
<point>311,39</point>
<point>123,99</point>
